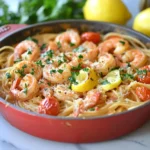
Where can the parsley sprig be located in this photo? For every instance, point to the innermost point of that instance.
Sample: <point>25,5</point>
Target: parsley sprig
<point>39,63</point>
<point>21,71</point>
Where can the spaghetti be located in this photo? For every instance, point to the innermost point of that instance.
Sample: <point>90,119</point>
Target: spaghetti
<point>72,74</point>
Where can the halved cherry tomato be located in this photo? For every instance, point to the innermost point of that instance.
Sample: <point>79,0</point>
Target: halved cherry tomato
<point>143,93</point>
<point>49,106</point>
<point>91,36</point>
<point>144,77</point>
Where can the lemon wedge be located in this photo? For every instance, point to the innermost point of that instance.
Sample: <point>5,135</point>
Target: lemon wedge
<point>111,80</point>
<point>86,80</point>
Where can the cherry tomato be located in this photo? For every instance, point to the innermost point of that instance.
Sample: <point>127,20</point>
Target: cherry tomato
<point>49,106</point>
<point>143,93</point>
<point>91,36</point>
<point>144,76</point>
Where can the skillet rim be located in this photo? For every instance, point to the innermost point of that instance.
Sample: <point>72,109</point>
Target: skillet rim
<point>27,112</point>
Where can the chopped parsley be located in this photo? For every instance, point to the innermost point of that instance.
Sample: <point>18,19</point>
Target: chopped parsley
<point>48,61</point>
<point>17,60</point>
<point>39,63</point>
<point>80,56</point>
<point>49,84</point>
<point>32,71</point>
<point>86,69</point>
<point>141,72</point>
<point>60,71</point>
<point>122,42</point>
<point>48,54</point>
<point>60,62</point>
<point>52,71</point>
<point>32,39</point>
<point>127,76</point>
<point>25,89</point>
<point>92,109</point>
<point>43,46</point>
<point>72,44</point>
<point>79,49</point>
<point>104,82</point>
<point>29,52</point>
<point>128,65</point>
<point>59,44</point>
<point>77,68</point>
<point>72,79</point>
<point>21,71</point>
<point>8,75</point>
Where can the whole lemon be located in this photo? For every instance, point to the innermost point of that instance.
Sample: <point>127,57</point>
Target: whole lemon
<point>113,11</point>
<point>142,22</point>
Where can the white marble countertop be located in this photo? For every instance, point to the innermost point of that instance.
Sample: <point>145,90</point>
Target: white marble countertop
<point>14,139</point>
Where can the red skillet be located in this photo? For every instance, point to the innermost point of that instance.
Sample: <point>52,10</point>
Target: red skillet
<point>76,130</point>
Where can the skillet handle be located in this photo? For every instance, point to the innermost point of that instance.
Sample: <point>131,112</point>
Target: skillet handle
<point>6,29</point>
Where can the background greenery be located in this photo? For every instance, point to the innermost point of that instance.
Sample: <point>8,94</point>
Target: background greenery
<point>33,11</point>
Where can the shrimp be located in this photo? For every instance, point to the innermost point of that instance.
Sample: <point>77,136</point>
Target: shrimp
<point>25,88</point>
<point>104,64</point>
<point>45,88</point>
<point>53,46</point>
<point>68,40</point>
<point>92,98</point>
<point>90,52</point>
<point>136,58</point>
<point>57,74</point>
<point>26,50</point>
<point>62,92</point>
<point>27,67</point>
<point>115,45</point>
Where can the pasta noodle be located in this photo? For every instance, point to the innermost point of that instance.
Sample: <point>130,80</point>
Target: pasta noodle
<point>72,74</point>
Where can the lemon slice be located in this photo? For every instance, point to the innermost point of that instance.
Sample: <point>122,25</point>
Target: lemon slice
<point>86,80</point>
<point>111,80</point>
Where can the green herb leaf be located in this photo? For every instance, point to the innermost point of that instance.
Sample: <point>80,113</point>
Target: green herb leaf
<point>43,46</point>
<point>141,72</point>
<point>32,71</point>
<point>29,51</point>
<point>59,44</point>
<point>72,44</point>
<point>122,42</point>
<point>48,61</point>
<point>92,109</point>
<point>127,76</point>
<point>25,89</point>
<point>8,75</point>
<point>17,60</point>
<point>39,63</point>
<point>72,79</point>
<point>49,54</point>
<point>79,49</point>
<point>52,71</point>
<point>86,69</point>
<point>77,68</point>
<point>80,56</point>
<point>104,82</point>
<point>60,71</point>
